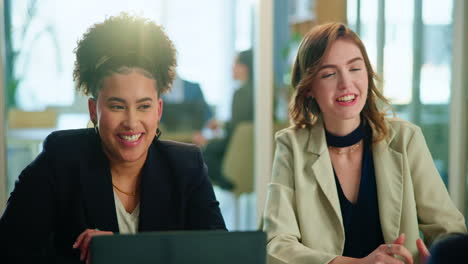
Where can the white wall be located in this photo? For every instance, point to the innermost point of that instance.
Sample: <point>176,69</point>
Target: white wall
<point>458,140</point>
<point>206,27</point>
<point>3,188</point>
<point>263,136</point>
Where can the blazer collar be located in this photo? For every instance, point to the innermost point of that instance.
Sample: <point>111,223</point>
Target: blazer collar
<point>157,194</point>
<point>388,164</point>
<point>317,143</point>
<point>96,185</point>
<point>319,163</point>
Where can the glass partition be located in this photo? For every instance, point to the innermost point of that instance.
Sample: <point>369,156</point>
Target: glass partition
<point>417,64</point>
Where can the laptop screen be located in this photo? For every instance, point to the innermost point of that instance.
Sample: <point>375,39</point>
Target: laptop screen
<point>207,247</point>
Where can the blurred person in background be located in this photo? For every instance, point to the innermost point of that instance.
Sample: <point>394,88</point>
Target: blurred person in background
<point>242,110</point>
<point>194,112</point>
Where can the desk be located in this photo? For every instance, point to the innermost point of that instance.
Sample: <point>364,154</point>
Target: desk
<point>27,132</point>
<point>31,137</point>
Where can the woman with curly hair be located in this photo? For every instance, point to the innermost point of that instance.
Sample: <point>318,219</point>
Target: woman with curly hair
<point>349,184</point>
<point>117,177</point>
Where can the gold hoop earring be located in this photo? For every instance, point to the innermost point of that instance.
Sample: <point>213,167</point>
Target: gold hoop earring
<point>308,103</point>
<point>96,129</point>
<point>158,133</point>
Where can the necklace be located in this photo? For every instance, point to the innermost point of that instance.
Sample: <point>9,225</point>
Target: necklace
<point>127,193</point>
<point>349,143</point>
<point>350,149</point>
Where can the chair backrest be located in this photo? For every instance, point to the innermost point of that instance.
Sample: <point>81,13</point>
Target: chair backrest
<point>238,163</point>
<point>238,160</point>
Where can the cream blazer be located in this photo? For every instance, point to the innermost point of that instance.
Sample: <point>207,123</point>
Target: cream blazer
<point>302,213</point>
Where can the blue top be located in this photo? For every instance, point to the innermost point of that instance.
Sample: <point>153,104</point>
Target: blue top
<point>361,221</point>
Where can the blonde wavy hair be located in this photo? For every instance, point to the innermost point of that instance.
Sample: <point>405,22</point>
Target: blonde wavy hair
<point>304,112</point>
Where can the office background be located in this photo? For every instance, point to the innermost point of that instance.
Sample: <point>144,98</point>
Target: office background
<point>418,47</point>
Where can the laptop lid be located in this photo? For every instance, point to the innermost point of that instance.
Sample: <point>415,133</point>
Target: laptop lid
<point>182,247</point>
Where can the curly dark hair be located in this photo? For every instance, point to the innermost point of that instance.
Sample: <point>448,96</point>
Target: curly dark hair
<point>119,43</point>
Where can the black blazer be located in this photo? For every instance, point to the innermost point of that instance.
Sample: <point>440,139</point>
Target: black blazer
<point>68,188</point>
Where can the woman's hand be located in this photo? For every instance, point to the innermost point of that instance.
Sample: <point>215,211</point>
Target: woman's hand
<point>213,124</point>
<point>424,254</point>
<point>198,139</point>
<point>385,254</point>
<point>83,240</point>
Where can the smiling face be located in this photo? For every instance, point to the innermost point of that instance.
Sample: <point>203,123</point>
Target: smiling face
<point>341,84</point>
<point>127,113</point>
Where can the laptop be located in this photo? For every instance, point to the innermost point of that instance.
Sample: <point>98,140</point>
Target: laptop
<point>181,247</point>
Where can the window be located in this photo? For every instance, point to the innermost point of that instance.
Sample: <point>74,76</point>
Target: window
<point>417,58</point>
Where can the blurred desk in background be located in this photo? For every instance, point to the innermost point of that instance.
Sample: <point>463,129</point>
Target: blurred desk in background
<point>26,133</point>
<point>185,137</point>
<point>31,138</point>
<point>23,145</point>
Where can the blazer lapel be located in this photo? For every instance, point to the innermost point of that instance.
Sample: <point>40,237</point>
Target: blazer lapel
<point>388,164</point>
<point>96,186</point>
<point>321,167</point>
<point>156,204</point>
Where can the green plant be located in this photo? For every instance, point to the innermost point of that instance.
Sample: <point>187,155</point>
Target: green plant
<point>25,39</point>
<point>12,54</point>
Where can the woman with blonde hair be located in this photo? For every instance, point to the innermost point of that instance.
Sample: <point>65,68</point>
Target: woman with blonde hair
<point>349,184</point>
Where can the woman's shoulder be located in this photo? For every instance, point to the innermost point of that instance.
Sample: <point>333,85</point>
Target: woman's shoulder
<point>293,132</point>
<point>184,160</point>
<point>178,147</point>
<point>178,151</point>
<point>401,131</point>
<point>69,142</point>
<point>310,138</point>
<point>399,125</point>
